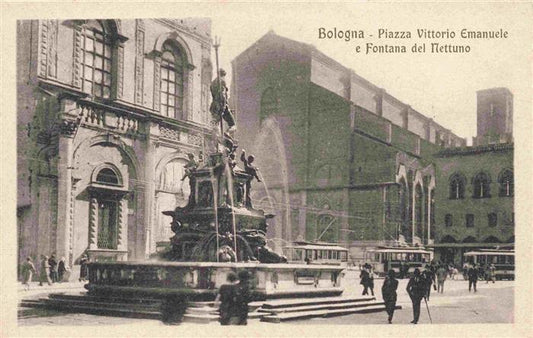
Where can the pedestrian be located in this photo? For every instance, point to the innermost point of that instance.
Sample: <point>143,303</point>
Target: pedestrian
<point>227,296</point>
<point>244,296</point>
<point>83,267</point>
<point>44,272</point>
<point>405,270</point>
<point>371,280</point>
<point>364,276</point>
<point>388,292</point>
<point>28,269</point>
<point>53,268</point>
<point>429,278</point>
<point>61,269</point>
<point>416,288</point>
<point>455,272</point>
<point>472,278</point>
<point>441,278</point>
<point>465,271</point>
<point>491,274</point>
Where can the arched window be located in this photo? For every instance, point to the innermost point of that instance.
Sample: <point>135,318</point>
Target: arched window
<point>107,176</point>
<point>481,184</point>
<point>506,181</point>
<point>172,80</point>
<point>403,198</point>
<point>457,187</point>
<point>419,210</point>
<point>97,48</point>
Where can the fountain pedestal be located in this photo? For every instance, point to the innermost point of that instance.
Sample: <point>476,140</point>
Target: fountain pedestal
<point>218,232</point>
<point>199,281</point>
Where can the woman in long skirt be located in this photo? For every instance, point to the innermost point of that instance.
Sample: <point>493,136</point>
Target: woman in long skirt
<point>27,272</point>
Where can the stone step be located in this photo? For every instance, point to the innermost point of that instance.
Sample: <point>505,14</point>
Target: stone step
<point>285,303</point>
<point>33,312</point>
<point>121,300</point>
<point>286,316</point>
<point>327,306</point>
<point>94,309</point>
<point>212,317</point>
<point>65,303</point>
<point>202,310</point>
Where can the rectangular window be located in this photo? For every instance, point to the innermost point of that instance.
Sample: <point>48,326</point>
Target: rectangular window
<point>492,219</point>
<point>97,64</point>
<point>469,220</point>
<point>448,220</point>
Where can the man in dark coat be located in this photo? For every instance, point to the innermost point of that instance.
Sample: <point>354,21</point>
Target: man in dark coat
<point>365,278</point>
<point>227,295</point>
<point>388,292</point>
<point>83,267</point>
<point>244,296</point>
<point>472,278</point>
<point>416,288</point>
<point>61,269</point>
<point>53,268</point>
<point>429,277</point>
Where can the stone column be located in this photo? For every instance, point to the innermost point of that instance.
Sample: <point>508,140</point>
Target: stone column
<point>149,187</point>
<point>67,128</point>
<point>139,244</point>
<point>413,211</point>
<point>93,223</point>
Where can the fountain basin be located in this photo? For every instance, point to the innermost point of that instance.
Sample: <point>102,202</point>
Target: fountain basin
<point>199,281</point>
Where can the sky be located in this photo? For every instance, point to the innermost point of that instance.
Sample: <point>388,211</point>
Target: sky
<point>440,86</point>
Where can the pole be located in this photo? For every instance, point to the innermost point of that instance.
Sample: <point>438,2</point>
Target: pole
<point>427,307</point>
<point>216,45</point>
<point>215,203</point>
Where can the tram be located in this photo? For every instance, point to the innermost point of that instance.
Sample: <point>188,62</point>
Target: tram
<point>316,253</point>
<point>403,260</point>
<point>503,261</point>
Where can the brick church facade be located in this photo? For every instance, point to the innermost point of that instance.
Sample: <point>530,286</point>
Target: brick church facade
<point>344,161</point>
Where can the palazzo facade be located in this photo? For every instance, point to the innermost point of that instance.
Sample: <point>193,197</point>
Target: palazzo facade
<point>107,112</point>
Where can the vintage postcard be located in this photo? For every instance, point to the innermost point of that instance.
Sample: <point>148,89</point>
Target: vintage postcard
<point>266,169</point>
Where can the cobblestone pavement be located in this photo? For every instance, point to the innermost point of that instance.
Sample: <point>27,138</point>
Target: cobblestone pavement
<point>493,303</point>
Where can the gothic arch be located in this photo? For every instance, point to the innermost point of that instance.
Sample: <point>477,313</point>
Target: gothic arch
<point>448,239</point>
<point>469,239</point>
<point>491,239</point>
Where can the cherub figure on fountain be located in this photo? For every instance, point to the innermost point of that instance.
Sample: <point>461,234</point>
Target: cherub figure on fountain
<point>252,171</point>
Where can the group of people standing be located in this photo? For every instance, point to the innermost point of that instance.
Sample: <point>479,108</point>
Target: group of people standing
<point>233,299</point>
<point>50,271</point>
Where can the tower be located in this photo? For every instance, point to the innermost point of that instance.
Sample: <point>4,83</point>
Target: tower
<point>494,116</point>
